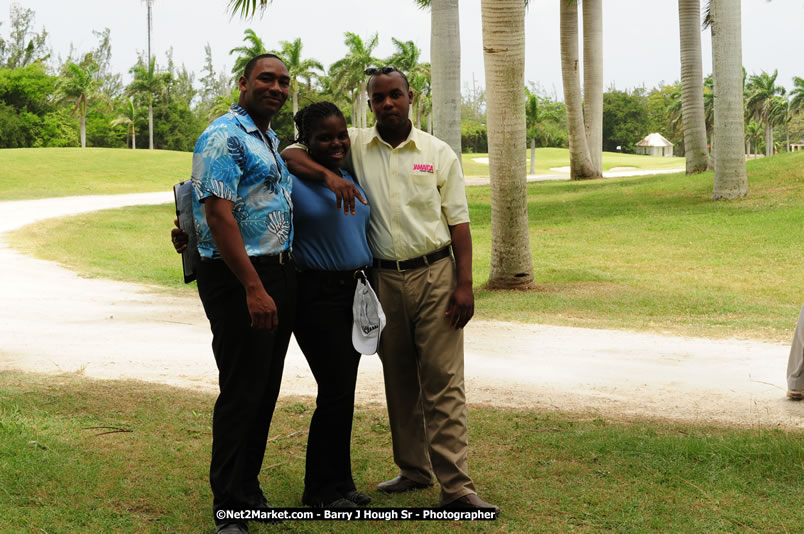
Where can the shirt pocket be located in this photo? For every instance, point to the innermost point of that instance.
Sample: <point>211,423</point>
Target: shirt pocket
<point>423,191</point>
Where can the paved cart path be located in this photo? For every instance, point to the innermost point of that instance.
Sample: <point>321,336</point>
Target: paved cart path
<point>53,321</point>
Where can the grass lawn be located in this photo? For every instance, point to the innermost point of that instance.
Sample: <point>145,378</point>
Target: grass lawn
<point>81,455</point>
<point>651,253</point>
<point>30,173</point>
<point>551,158</point>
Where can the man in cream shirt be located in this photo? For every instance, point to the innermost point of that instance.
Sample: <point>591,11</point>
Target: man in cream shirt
<point>419,221</point>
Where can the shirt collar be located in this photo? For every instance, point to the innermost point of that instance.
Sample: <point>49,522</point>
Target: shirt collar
<point>248,125</point>
<point>413,138</point>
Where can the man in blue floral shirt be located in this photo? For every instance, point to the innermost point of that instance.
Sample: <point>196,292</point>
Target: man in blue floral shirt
<point>243,220</point>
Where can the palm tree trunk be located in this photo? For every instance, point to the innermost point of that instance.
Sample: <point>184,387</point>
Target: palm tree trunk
<point>730,177</point>
<point>692,101</point>
<point>504,58</point>
<point>533,155</point>
<point>150,125</point>
<point>363,105</point>
<point>768,140</point>
<point>445,57</point>
<point>295,107</point>
<point>133,137</point>
<point>593,80</point>
<point>83,129</point>
<point>580,160</point>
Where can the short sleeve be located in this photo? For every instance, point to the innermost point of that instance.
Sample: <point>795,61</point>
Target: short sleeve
<point>216,172</point>
<point>451,188</point>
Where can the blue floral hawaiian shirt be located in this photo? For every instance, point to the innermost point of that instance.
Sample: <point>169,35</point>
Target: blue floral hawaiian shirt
<point>233,160</point>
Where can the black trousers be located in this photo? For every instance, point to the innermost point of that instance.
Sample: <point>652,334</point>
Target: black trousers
<point>250,363</point>
<point>324,333</point>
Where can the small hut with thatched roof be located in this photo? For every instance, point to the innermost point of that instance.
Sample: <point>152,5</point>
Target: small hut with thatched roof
<point>655,144</point>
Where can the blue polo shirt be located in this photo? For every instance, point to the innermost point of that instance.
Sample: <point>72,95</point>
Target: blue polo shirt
<point>234,161</point>
<point>326,239</point>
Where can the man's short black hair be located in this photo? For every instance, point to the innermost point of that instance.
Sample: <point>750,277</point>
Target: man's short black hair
<point>253,61</point>
<point>387,71</point>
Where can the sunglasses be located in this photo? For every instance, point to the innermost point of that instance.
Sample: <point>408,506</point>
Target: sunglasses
<point>371,71</point>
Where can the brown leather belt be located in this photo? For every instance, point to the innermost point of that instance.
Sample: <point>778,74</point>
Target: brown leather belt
<point>413,263</point>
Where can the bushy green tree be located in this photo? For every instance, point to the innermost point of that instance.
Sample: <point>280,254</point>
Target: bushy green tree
<point>626,119</point>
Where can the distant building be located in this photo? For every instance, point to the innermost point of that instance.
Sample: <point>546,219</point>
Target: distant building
<point>655,145</point>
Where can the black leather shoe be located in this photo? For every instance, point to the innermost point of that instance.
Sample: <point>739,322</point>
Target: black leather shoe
<point>231,528</point>
<point>261,504</point>
<point>401,484</point>
<point>358,497</point>
<point>470,502</point>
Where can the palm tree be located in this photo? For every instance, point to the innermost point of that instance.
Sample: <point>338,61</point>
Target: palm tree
<point>148,82</point>
<point>253,48</point>
<point>406,59</point>
<point>247,8</point>
<point>797,94</point>
<point>504,58</point>
<point>150,5</point>
<point>348,70</point>
<point>127,117</point>
<point>77,85</point>
<point>692,95</point>
<point>445,57</point>
<point>752,135</point>
<point>297,68</point>
<point>580,159</point>
<point>730,177</point>
<point>593,81</point>
<point>760,92</point>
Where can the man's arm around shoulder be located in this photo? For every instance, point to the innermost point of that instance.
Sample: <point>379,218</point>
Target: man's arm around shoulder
<point>302,165</point>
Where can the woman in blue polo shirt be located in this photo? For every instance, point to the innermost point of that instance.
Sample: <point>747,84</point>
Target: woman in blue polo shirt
<point>328,248</point>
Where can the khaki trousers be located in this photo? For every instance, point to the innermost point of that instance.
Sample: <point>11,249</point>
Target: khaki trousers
<point>422,357</point>
<point>795,364</point>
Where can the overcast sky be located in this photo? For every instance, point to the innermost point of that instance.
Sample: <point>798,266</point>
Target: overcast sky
<point>640,37</point>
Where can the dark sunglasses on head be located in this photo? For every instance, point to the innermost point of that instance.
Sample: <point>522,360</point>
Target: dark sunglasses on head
<point>371,71</point>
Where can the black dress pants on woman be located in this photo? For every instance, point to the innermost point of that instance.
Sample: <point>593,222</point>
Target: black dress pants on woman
<point>250,363</point>
<point>324,332</point>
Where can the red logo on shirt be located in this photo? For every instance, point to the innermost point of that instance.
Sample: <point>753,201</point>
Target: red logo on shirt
<point>423,167</point>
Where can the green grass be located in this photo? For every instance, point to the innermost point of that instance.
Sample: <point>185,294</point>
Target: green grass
<point>30,173</point>
<point>551,158</point>
<point>80,455</point>
<point>652,253</point>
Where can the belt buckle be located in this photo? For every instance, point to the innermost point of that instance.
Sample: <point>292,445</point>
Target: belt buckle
<point>283,258</point>
<point>398,268</point>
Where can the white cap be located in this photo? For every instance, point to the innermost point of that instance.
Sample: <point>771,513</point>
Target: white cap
<point>368,318</point>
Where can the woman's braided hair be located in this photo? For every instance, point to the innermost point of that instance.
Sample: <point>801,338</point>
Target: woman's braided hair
<point>307,119</point>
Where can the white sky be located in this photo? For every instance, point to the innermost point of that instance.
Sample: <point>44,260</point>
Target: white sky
<point>640,36</point>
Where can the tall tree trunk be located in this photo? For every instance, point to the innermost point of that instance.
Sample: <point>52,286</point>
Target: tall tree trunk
<point>150,125</point>
<point>768,140</point>
<point>593,80</point>
<point>363,105</point>
<point>295,102</point>
<point>580,160</point>
<point>83,129</point>
<point>533,155</point>
<point>730,177</point>
<point>355,122</point>
<point>133,138</point>
<point>692,101</point>
<point>445,57</point>
<point>504,58</point>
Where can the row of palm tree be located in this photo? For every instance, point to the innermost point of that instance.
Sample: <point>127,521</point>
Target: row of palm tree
<point>503,43</point>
